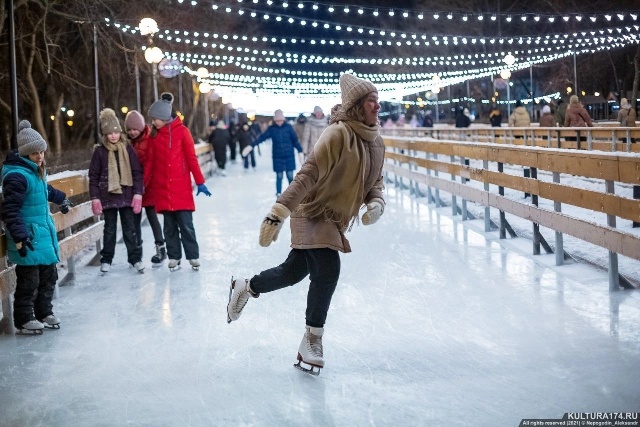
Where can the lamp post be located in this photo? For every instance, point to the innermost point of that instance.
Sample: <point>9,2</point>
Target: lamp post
<point>505,74</point>
<point>204,89</point>
<point>153,54</point>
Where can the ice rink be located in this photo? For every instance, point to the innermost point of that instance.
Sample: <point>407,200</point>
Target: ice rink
<point>433,323</point>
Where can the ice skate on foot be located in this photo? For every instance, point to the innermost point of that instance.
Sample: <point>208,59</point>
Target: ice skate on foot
<point>139,266</point>
<point>311,369</point>
<point>105,267</point>
<point>174,264</point>
<point>239,294</point>
<point>51,322</point>
<point>195,264</point>
<point>159,257</point>
<point>310,351</point>
<point>32,327</point>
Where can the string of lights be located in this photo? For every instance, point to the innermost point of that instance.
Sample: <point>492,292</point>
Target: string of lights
<point>421,15</point>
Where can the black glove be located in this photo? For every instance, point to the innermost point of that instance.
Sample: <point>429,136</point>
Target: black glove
<point>65,205</point>
<point>26,243</point>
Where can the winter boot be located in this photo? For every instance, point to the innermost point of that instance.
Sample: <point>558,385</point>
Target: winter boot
<point>239,294</point>
<point>51,322</point>
<point>310,350</point>
<point>161,254</point>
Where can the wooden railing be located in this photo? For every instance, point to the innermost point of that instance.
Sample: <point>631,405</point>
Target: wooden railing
<point>601,138</point>
<point>79,228</point>
<point>422,159</point>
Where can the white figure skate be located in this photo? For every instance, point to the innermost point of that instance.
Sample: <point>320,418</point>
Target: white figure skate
<point>32,327</point>
<point>195,264</point>
<point>51,322</point>
<point>310,351</point>
<point>174,264</point>
<point>239,294</point>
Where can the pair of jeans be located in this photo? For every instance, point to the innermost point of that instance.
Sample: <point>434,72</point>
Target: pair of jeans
<point>35,285</point>
<point>279,180</point>
<point>156,228</point>
<point>323,267</point>
<point>178,233</point>
<point>253,160</point>
<point>129,234</point>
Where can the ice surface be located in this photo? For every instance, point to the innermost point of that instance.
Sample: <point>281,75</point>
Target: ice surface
<point>433,323</point>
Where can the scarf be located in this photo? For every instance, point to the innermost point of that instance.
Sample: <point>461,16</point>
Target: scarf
<point>119,170</point>
<point>342,162</point>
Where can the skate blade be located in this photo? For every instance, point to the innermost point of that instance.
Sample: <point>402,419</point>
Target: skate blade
<point>176,268</point>
<point>195,268</point>
<point>311,370</point>
<point>29,331</point>
<point>156,265</point>
<point>48,326</point>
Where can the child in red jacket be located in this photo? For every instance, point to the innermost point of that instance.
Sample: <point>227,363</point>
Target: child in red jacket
<point>172,162</point>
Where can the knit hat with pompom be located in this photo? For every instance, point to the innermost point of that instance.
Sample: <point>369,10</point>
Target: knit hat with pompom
<point>161,109</point>
<point>109,123</point>
<point>29,140</point>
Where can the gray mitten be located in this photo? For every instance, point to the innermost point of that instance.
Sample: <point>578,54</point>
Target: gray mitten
<point>272,224</point>
<point>375,209</point>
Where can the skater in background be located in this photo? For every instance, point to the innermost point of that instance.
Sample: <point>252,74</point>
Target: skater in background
<point>299,126</point>
<point>138,132</point>
<point>32,243</point>
<point>219,139</point>
<point>316,124</point>
<point>244,137</point>
<point>343,173</point>
<point>284,142</point>
<point>495,117</point>
<point>115,187</point>
<point>173,161</point>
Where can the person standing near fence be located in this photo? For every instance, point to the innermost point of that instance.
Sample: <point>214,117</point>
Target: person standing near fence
<point>173,161</point>
<point>138,132</point>
<point>115,187</point>
<point>343,173</point>
<point>32,243</point>
<point>626,115</point>
<point>576,115</point>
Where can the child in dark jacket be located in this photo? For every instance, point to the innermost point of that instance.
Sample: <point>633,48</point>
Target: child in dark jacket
<point>32,243</point>
<point>115,186</point>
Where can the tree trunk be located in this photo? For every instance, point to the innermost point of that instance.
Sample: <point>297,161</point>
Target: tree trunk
<point>636,79</point>
<point>57,122</point>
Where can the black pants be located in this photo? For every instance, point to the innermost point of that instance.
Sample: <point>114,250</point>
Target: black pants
<point>35,285</point>
<point>178,233</point>
<point>156,228</point>
<point>323,267</point>
<point>129,234</point>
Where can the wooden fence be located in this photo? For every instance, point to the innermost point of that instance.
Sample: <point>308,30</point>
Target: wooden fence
<point>79,229</point>
<point>466,154</point>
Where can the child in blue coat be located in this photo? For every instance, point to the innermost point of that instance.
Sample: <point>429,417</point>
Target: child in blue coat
<point>32,243</point>
<point>284,141</point>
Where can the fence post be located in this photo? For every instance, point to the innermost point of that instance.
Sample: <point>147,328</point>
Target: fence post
<point>614,276</point>
<point>557,207</point>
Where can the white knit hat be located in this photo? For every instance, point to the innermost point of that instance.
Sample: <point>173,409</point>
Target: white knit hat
<point>29,140</point>
<point>278,115</point>
<point>353,89</point>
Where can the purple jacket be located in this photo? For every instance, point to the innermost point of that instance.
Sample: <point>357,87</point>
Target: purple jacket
<point>99,179</point>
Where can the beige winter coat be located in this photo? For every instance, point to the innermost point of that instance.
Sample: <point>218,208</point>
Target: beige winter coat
<point>312,131</point>
<point>627,116</point>
<point>519,118</point>
<point>309,233</point>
